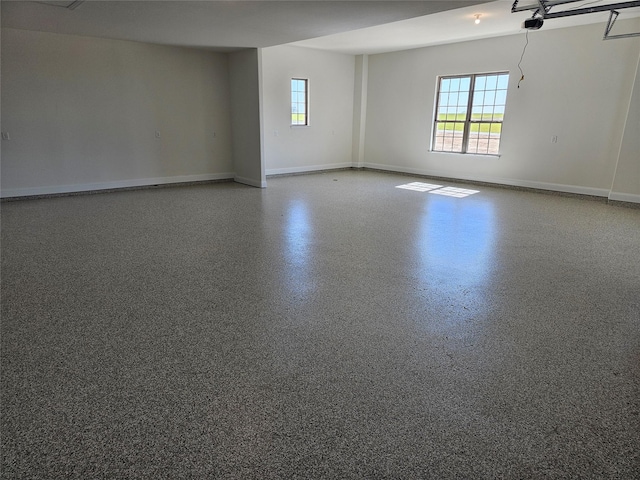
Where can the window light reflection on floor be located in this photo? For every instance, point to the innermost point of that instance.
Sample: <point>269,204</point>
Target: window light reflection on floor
<point>454,192</point>
<point>438,189</point>
<point>419,186</point>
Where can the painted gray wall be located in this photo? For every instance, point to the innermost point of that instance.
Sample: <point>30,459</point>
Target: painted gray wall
<point>576,87</point>
<point>245,77</point>
<point>82,114</point>
<point>326,142</point>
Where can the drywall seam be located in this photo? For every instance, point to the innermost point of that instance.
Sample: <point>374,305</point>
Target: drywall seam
<point>86,187</point>
<point>624,132</point>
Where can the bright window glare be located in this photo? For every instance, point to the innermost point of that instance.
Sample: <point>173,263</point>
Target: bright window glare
<point>438,189</point>
<point>454,192</point>
<point>419,186</point>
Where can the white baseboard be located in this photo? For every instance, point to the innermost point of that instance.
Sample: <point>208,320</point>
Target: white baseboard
<point>624,197</point>
<point>249,181</point>
<point>142,182</point>
<point>88,187</point>
<point>311,168</point>
<point>555,187</point>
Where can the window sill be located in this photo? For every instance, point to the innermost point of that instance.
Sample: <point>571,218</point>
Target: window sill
<point>490,155</point>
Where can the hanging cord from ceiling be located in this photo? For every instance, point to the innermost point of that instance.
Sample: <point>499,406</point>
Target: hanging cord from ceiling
<point>521,57</point>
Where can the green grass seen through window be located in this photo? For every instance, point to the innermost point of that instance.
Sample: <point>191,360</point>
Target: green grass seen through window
<point>298,119</point>
<point>459,127</point>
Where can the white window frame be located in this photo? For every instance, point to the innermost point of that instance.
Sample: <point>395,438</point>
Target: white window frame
<point>295,105</point>
<point>469,121</point>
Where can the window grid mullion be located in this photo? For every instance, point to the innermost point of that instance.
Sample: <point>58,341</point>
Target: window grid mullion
<point>467,122</point>
<point>435,123</point>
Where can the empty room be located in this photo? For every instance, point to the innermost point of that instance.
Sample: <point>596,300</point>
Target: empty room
<point>320,239</point>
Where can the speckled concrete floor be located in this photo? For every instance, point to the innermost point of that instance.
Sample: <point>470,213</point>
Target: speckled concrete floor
<point>330,326</point>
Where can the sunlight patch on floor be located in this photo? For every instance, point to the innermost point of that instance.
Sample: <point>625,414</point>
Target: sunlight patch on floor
<point>438,189</point>
<point>419,186</point>
<point>454,192</point>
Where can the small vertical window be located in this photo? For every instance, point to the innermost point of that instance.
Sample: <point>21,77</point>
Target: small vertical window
<point>299,102</point>
<point>469,113</point>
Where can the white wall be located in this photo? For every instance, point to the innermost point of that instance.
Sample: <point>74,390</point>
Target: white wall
<point>577,87</point>
<point>82,114</point>
<point>360,109</point>
<point>626,184</point>
<point>327,141</point>
<point>245,76</point>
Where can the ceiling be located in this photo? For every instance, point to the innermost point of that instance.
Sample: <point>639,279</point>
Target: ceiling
<point>218,25</point>
<point>348,26</point>
<point>457,25</point>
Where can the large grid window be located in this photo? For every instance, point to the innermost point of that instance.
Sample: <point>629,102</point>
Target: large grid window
<point>299,102</point>
<point>469,113</point>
